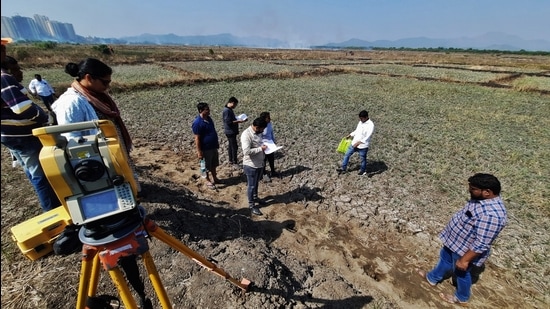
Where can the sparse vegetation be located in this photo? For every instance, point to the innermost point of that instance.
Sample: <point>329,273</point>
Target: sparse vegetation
<point>436,124</point>
<point>46,45</point>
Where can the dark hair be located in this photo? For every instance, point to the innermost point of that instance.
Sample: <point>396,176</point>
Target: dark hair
<point>90,66</point>
<point>10,61</point>
<point>259,122</point>
<point>233,100</point>
<point>485,181</point>
<point>37,76</point>
<point>264,115</point>
<point>364,114</point>
<point>202,106</point>
<point>12,67</point>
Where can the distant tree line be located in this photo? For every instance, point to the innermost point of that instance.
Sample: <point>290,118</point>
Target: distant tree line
<point>470,50</point>
<point>457,50</point>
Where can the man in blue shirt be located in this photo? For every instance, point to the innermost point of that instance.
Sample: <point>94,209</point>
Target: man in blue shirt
<point>468,237</point>
<point>270,136</point>
<point>207,143</point>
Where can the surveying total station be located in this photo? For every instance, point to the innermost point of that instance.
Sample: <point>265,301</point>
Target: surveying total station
<point>92,178</point>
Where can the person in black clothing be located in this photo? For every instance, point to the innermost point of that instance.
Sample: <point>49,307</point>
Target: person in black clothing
<point>231,129</point>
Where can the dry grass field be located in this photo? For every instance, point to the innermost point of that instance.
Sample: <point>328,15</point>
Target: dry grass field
<point>326,240</point>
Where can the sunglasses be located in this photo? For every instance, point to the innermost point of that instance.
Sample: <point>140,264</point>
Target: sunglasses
<point>105,82</point>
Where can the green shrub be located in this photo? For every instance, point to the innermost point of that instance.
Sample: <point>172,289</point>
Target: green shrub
<point>21,54</point>
<point>46,45</point>
<point>104,49</point>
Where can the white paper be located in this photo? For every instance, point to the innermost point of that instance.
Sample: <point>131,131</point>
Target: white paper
<point>242,117</point>
<point>271,147</point>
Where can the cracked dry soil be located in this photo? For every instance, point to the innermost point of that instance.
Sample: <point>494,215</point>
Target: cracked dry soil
<point>300,254</point>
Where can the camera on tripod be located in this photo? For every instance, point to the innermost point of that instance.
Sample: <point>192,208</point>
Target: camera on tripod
<point>90,174</point>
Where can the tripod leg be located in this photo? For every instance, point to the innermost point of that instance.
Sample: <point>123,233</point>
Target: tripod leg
<point>90,262</point>
<point>123,289</point>
<point>157,232</point>
<point>155,280</point>
<point>94,277</point>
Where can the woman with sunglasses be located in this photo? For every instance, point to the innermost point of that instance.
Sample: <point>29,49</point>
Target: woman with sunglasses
<point>88,99</point>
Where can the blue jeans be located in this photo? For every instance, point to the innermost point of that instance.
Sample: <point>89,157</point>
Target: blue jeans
<point>27,151</point>
<point>253,176</point>
<point>362,154</point>
<point>446,265</point>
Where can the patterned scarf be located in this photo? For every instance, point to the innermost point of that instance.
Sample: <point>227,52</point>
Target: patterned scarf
<point>105,104</point>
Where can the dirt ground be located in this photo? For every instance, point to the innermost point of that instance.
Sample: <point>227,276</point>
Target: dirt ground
<point>316,246</point>
<point>298,255</point>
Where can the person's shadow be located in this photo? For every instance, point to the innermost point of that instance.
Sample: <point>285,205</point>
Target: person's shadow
<point>300,194</point>
<point>475,273</point>
<point>376,167</point>
<point>205,219</point>
<point>235,180</point>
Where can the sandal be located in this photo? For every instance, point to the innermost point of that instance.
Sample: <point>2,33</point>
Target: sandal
<point>211,185</point>
<point>451,299</point>
<point>422,274</point>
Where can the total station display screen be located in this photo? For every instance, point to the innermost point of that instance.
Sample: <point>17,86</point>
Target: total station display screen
<point>98,204</point>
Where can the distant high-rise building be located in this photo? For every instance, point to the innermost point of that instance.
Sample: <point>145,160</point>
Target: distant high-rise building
<point>8,28</point>
<point>44,25</point>
<point>26,28</point>
<point>64,31</point>
<point>41,28</point>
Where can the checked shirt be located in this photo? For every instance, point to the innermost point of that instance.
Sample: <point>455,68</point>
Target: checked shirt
<point>475,227</point>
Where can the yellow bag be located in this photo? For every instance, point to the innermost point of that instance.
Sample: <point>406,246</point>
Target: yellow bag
<point>344,145</point>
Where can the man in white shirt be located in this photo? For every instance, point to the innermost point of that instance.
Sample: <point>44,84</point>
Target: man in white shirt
<point>40,87</point>
<point>360,143</point>
<point>253,162</point>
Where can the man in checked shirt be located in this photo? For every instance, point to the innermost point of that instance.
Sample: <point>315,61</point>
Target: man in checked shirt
<point>468,237</point>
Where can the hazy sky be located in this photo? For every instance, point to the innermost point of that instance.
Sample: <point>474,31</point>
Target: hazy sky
<point>296,21</point>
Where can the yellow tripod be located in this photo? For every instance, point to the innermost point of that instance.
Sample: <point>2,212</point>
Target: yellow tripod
<point>132,245</point>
